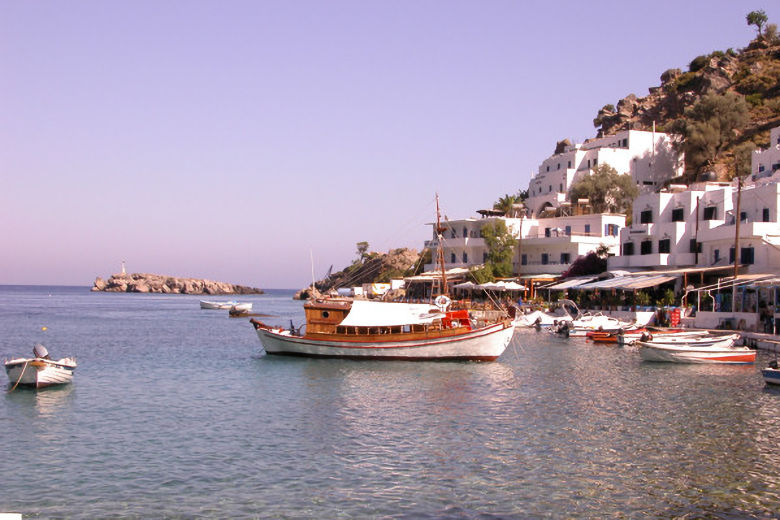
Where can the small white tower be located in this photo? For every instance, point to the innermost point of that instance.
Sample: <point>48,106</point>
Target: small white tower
<point>123,267</point>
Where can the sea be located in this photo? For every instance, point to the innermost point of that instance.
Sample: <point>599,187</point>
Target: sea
<point>176,412</point>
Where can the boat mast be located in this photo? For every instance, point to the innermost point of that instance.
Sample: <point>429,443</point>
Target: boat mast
<point>440,235</point>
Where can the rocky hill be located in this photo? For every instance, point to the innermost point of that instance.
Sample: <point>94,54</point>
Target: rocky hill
<point>156,283</point>
<point>751,74</point>
<point>374,267</point>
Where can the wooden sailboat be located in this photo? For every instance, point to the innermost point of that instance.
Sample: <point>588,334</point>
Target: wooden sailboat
<point>364,329</point>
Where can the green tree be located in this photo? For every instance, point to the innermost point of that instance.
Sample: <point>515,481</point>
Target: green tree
<point>709,126</point>
<point>362,251</point>
<point>506,203</point>
<point>606,189</point>
<point>757,18</point>
<point>500,244</point>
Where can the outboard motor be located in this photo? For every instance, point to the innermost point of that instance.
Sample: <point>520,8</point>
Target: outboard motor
<point>40,351</point>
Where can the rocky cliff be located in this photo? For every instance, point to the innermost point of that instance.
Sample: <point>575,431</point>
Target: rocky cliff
<point>752,73</point>
<point>155,283</point>
<point>375,267</point>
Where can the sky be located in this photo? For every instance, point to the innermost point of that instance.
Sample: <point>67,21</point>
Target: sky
<point>252,142</point>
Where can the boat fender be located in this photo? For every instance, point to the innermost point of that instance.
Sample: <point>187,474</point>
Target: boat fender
<point>442,302</point>
<point>647,337</point>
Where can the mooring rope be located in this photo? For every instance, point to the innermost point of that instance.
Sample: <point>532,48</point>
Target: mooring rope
<point>20,376</point>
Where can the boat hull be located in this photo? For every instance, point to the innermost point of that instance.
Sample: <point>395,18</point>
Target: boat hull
<point>771,376</point>
<point>485,344</point>
<point>39,373</point>
<point>694,354</point>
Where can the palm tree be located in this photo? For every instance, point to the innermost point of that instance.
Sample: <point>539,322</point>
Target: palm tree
<point>506,203</point>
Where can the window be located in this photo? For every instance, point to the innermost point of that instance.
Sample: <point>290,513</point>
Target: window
<point>587,228</point>
<point>677,215</point>
<point>664,245</point>
<point>628,249</point>
<point>484,257</point>
<point>545,259</point>
<point>711,213</point>
<point>548,167</point>
<point>465,233</point>
<point>523,259</point>
<point>760,168</point>
<point>595,161</point>
<point>746,255</point>
<point>549,189</point>
<point>559,166</point>
<point>743,216</point>
<point>588,163</point>
<point>646,217</point>
<point>694,247</point>
<point>465,258</point>
<point>647,247</point>
<point>547,232</point>
<point>611,230</point>
<point>731,255</point>
<point>453,258</point>
<point>625,142</point>
<point>568,231</point>
<point>569,164</point>
<point>715,256</point>
<point>560,188</point>
<point>765,215</point>
<point>565,258</point>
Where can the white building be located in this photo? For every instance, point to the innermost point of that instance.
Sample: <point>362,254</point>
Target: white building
<point>545,245</point>
<point>647,156</point>
<point>766,163</point>
<point>680,227</point>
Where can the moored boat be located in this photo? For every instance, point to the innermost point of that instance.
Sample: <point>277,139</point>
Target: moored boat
<point>724,352</point>
<point>771,374</point>
<point>229,305</point>
<point>40,371</point>
<point>381,330</point>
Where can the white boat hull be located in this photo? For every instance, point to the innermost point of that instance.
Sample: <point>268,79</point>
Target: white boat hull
<point>485,344</point>
<point>696,354</point>
<point>40,373</point>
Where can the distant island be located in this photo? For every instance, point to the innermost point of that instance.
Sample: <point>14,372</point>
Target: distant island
<point>156,283</point>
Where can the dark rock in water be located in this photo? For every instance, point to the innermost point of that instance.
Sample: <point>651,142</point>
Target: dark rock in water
<point>155,283</point>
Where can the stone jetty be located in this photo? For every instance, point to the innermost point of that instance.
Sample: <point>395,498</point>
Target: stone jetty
<point>156,283</point>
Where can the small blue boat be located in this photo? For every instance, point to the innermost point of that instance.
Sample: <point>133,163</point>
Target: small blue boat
<point>771,374</point>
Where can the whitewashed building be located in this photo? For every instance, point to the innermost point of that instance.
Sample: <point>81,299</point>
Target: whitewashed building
<point>680,227</point>
<point>766,163</point>
<point>647,156</point>
<point>545,245</point>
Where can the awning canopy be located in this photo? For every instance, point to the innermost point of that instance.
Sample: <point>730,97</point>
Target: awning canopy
<point>627,283</point>
<point>366,313</point>
<point>569,283</point>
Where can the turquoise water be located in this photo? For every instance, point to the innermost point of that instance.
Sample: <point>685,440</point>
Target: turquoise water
<point>176,413</point>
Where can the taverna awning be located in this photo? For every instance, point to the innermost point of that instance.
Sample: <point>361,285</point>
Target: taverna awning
<point>386,314</point>
<point>569,283</point>
<point>628,282</point>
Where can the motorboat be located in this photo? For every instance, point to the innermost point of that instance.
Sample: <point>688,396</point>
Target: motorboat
<point>771,374</point>
<point>40,370</point>
<point>721,351</point>
<point>540,319</point>
<point>366,329</point>
<point>229,305</point>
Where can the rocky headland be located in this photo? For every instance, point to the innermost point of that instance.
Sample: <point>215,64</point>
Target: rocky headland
<point>373,267</point>
<point>156,283</point>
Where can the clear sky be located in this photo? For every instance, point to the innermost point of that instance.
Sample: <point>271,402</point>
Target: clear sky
<point>234,140</point>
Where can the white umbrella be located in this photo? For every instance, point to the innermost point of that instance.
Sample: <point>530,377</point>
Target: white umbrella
<point>466,285</point>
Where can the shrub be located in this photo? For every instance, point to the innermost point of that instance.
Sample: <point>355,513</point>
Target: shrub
<point>698,63</point>
<point>755,99</point>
